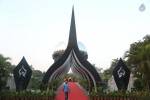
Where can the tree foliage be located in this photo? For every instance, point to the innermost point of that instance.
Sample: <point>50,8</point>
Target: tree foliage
<point>5,68</point>
<point>108,72</point>
<point>138,58</point>
<point>36,79</point>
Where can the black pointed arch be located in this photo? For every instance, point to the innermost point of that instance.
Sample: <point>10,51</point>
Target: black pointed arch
<point>72,58</point>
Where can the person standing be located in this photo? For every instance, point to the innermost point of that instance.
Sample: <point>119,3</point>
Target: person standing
<point>66,90</point>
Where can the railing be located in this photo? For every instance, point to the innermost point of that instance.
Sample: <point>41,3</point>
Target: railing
<point>28,98</point>
<point>121,98</point>
<point>27,95</point>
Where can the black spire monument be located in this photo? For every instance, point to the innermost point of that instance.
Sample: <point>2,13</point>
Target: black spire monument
<point>72,58</point>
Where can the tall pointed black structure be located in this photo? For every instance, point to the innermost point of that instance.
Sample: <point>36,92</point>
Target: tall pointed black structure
<point>22,74</point>
<point>73,59</point>
<point>121,75</point>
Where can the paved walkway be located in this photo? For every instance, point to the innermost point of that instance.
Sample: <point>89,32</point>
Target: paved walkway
<point>76,92</point>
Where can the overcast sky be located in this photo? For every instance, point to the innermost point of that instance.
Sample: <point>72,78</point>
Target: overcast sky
<point>33,28</point>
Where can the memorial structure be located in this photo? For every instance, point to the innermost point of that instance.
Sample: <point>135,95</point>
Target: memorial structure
<point>72,58</point>
<point>121,75</point>
<point>22,74</point>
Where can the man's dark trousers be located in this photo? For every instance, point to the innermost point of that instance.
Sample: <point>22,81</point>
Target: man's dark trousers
<point>66,95</point>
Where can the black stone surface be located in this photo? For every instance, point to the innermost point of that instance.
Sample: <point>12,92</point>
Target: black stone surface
<point>121,75</point>
<point>22,74</point>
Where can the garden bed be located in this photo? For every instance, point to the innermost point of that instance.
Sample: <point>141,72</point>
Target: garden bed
<point>26,95</point>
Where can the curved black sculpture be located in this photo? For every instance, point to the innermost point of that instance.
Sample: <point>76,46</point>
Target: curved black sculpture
<point>121,75</point>
<point>72,58</point>
<point>22,74</point>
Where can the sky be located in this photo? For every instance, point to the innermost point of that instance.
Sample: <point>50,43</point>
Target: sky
<point>34,28</point>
